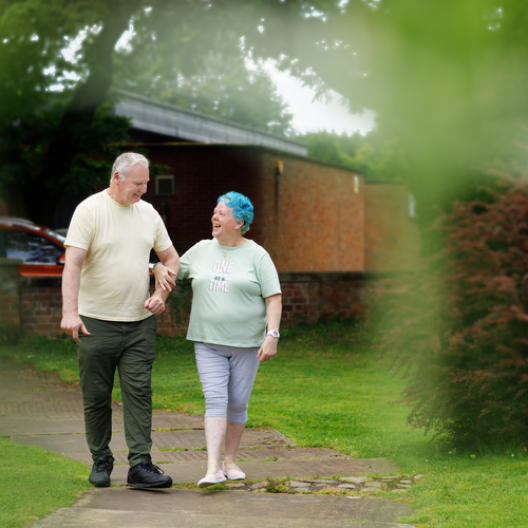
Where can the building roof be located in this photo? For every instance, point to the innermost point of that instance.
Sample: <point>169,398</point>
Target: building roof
<point>173,121</point>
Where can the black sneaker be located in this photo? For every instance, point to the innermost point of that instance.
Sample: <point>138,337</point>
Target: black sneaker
<point>101,470</point>
<point>147,475</point>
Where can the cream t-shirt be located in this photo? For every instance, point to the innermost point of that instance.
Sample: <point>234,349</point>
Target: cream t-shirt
<point>118,239</point>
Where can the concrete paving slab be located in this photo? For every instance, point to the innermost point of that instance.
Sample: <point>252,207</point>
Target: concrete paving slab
<point>261,505</point>
<point>271,455</point>
<point>13,419</point>
<point>40,408</point>
<point>177,421</point>
<point>74,423</point>
<point>24,426</point>
<point>76,443</point>
<point>87,518</point>
<point>244,455</point>
<point>191,472</point>
<point>8,365</point>
<point>38,395</point>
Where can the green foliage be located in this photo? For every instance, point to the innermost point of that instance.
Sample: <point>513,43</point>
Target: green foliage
<point>24,144</point>
<point>373,154</point>
<point>462,324</point>
<point>32,33</point>
<point>277,486</point>
<point>39,483</point>
<point>219,83</point>
<point>445,78</point>
<point>452,102</point>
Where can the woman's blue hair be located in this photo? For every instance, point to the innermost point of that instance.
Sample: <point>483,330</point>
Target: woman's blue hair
<point>242,208</point>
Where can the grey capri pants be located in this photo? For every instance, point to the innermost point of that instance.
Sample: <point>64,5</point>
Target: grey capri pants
<point>227,375</point>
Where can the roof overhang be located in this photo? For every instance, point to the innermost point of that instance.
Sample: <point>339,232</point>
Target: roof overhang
<point>173,121</point>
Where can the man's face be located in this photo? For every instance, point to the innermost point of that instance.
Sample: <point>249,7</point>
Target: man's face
<point>134,186</point>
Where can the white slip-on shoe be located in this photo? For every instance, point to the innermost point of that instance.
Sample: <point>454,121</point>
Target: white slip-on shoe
<point>211,480</point>
<point>233,474</point>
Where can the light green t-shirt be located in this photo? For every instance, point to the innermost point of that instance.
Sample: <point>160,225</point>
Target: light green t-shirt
<point>229,287</point>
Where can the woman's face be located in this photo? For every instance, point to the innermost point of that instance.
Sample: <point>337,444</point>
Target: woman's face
<point>224,223</point>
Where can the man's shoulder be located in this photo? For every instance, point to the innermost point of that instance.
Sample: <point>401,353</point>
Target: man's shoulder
<point>146,207</point>
<point>93,200</point>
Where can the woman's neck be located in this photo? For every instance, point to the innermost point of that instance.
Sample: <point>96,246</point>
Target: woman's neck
<point>232,241</point>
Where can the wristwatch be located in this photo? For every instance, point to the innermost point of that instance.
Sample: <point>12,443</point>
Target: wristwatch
<point>274,333</point>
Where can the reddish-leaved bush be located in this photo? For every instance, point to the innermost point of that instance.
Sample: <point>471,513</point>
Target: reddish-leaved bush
<point>460,326</point>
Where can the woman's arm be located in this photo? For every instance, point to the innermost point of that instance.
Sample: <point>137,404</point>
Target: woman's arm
<point>167,269</point>
<point>156,303</point>
<point>273,315</point>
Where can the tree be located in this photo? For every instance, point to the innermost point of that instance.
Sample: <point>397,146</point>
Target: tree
<point>375,155</point>
<point>224,86</point>
<point>74,129</point>
<point>33,35</point>
<point>444,77</point>
<point>460,326</point>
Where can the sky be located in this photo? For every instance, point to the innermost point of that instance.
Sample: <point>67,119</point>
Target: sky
<point>310,115</point>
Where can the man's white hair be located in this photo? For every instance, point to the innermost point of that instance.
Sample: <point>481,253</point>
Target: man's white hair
<point>126,160</point>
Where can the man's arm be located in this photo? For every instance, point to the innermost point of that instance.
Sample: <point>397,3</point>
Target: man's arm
<point>71,280</point>
<point>170,259</point>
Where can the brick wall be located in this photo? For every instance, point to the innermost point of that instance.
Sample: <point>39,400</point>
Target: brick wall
<point>307,296</point>
<point>202,174</point>
<point>310,218</point>
<point>175,319</point>
<point>40,307</point>
<point>9,292</point>
<point>312,298</point>
<point>392,238</point>
<point>314,216</point>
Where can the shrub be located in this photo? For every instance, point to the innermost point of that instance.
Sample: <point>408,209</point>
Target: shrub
<point>461,326</point>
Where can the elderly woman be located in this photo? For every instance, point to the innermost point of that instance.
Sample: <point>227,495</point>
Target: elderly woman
<point>234,323</point>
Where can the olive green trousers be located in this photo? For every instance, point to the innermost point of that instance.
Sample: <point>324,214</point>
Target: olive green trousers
<point>130,348</point>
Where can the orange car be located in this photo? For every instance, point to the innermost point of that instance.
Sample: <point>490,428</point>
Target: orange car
<point>40,249</point>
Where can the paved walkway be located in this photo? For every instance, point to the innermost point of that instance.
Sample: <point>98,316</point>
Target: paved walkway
<point>38,409</point>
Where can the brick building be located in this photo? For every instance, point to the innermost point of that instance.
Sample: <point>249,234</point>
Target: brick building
<point>327,229</point>
<point>309,216</point>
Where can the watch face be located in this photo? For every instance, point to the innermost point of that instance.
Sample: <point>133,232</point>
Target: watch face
<point>274,333</point>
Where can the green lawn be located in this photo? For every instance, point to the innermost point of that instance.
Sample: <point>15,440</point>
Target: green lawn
<point>35,482</point>
<point>327,388</point>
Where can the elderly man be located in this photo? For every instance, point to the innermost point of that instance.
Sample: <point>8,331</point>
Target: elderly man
<point>108,311</point>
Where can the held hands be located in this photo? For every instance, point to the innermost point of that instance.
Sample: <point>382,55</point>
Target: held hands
<point>164,277</point>
<point>71,324</point>
<point>268,349</point>
<point>155,304</point>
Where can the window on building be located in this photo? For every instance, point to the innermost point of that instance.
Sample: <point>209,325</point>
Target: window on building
<point>165,185</point>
